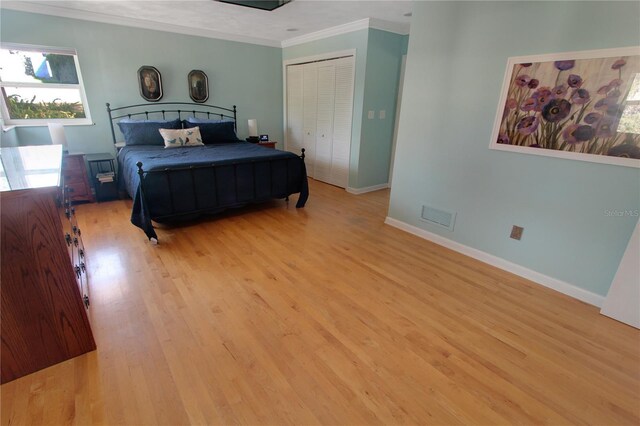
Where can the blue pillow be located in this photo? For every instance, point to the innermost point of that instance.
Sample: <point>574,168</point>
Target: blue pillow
<point>146,132</point>
<point>213,131</point>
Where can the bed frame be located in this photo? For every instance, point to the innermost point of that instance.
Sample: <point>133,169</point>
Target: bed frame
<point>208,111</point>
<point>138,110</point>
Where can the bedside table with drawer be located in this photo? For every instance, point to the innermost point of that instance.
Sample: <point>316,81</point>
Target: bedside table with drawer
<point>270,144</point>
<point>74,175</point>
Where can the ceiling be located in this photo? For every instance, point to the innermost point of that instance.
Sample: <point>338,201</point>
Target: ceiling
<point>222,20</point>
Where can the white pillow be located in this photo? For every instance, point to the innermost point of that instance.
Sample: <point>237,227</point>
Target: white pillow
<point>175,138</point>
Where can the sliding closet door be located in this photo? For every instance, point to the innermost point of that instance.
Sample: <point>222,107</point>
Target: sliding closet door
<point>342,118</point>
<point>324,120</point>
<point>310,103</point>
<point>294,108</point>
<point>319,116</point>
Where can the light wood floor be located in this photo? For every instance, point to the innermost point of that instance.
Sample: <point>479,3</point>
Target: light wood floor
<point>273,315</point>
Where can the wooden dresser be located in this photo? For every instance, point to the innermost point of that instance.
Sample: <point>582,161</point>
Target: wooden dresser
<point>74,175</point>
<point>43,317</point>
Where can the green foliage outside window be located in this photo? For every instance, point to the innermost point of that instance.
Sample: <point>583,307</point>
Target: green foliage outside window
<point>30,109</point>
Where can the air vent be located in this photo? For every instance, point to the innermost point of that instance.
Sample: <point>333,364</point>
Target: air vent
<point>438,217</point>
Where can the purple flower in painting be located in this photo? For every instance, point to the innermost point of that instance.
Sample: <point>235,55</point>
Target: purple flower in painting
<point>592,117</point>
<point>606,127</point>
<point>528,104</point>
<point>604,89</point>
<point>616,82</point>
<point>614,94</point>
<point>578,133</point>
<point>559,91</point>
<point>556,110</point>
<point>511,103</point>
<point>618,64</point>
<point>580,96</point>
<point>522,80</point>
<point>574,81</point>
<point>626,150</point>
<point>564,65</point>
<point>527,65</point>
<point>542,96</point>
<point>528,125</point>
<point>615,110</point>
<point>504,139</point>
<point>604,103</point>
<point>533,83</point>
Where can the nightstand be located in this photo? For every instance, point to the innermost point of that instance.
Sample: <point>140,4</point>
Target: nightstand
<point>103,175</point>
<point>74,177</point>
<point>270,144</point>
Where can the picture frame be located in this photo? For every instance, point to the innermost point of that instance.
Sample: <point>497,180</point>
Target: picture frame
<point>575,105</point>
<point>198,86</point>
<point>150,83</point>
<point>264,138</point>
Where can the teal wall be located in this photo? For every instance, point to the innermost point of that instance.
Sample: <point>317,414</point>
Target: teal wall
<point>384,54</point>
<point>378,57</point>
<point>354,40</point>
<point>455,67</point>
<point>249,76</point>
<point>9,138</point>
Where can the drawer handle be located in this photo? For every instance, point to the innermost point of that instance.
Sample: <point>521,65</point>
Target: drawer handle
<point>73,211</point>
<point>67,238</point>
<point>85,299</point>
<point>67,213</point>
<point>75,229</point>
<point>81,253</point>
<point>77,271</point>
<point>82,267</point>
<point>75,241</point>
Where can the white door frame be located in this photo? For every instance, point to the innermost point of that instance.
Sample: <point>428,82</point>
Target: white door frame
<point>403,64</point>
<point>302,60</point>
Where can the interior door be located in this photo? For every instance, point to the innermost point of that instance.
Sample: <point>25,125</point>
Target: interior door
<point>342,118</point>
<point>294,108</point>
<point>324,120</point>
<point>309,120</point>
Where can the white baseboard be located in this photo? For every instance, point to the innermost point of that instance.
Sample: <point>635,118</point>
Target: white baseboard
<point>367,189</point>
<point>542,279</point>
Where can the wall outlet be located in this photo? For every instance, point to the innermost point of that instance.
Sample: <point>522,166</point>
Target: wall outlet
<point>383,114</point>
<point>516,232</point>
<point>372,115</point>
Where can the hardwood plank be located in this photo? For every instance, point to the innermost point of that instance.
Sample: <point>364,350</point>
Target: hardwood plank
<point>324,315</point>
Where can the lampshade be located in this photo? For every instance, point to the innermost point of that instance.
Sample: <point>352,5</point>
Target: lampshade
<point>253,127</point>
<point>58,137</point>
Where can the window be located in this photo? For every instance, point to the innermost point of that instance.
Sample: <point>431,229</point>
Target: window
<point>630,120</point>
<point>41,85</point>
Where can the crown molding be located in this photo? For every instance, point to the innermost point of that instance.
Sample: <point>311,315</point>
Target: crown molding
<point>392,27</point>
<point>45,9</point>
<point>378,24</point>
<point>329,32</point>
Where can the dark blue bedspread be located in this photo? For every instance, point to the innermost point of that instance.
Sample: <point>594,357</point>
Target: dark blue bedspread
<point>186,182</point>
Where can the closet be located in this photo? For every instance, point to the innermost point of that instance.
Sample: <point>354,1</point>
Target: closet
<point>319,116</point>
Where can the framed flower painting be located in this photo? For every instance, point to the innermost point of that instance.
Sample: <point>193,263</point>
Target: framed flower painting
<point>579,105</point>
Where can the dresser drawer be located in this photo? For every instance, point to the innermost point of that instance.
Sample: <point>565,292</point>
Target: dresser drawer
<point>74,175</point>
<point>73,162</point>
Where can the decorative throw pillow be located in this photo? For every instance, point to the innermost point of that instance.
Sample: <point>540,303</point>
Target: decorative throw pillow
<point>213,131</point>
<point>145,132</point>
<point>175,138</point>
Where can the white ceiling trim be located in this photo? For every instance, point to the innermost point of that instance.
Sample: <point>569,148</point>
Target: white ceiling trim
<point>23,6</point>
<point>329,32</point>
<point>392,27</point>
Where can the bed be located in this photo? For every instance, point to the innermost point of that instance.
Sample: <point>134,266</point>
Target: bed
<point>170,183</point>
